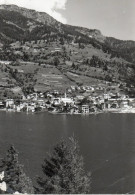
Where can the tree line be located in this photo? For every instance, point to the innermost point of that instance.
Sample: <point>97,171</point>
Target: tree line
<point>63,172</point>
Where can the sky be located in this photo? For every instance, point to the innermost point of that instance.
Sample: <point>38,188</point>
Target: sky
<point>115,18</point>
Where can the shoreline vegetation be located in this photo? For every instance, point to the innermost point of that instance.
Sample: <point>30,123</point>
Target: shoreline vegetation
<point>118,110</point>
<point>115,110</point>
<point>63,172</point>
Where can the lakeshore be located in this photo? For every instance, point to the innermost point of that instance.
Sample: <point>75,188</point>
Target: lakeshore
<point>118,110</point>
<point>55,110</point>
<point>75,100</point>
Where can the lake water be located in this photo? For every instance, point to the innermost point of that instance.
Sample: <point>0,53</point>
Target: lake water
<point>107,143</point>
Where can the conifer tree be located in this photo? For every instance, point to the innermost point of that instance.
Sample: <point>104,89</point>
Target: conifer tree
<point>14,175</point>
<point>64,171</point>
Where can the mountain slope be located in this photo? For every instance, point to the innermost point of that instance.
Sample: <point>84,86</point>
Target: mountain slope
<point>33,36</point>
<point>27,19</point>
<point>18,23</point>
<point>41,17</point>
<point>126,49</point>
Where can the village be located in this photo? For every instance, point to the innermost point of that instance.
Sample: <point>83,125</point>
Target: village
<point>75,100</point>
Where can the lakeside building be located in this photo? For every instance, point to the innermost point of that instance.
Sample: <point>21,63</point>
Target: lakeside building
<point>124,104</point>
<point>66,100</point>
<point>2,105</point>
<point>74,110</point>
<point>9,103</point>
<point>56,101</point>
<point>85,109</point>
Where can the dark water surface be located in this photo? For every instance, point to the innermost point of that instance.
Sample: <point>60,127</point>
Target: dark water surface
<point>107,143</point>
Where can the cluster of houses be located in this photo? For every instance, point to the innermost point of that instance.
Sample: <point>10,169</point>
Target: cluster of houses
<point>76,100</point>
<point>31,103</point>
<point>90,104</point>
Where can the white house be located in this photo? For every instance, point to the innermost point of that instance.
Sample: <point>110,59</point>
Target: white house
<point>85,109</point>
<point>9,103</point>
<point>56,101</point>
<point>66,100</point>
